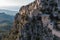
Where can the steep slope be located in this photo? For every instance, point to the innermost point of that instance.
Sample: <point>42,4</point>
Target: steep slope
<point>36,21</point>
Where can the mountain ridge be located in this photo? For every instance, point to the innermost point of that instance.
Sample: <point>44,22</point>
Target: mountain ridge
<point>36,21</point>
<point>6,21</point>
<point>9,12</point>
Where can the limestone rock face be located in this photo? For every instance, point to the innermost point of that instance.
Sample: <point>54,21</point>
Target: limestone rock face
<point>36,21</point>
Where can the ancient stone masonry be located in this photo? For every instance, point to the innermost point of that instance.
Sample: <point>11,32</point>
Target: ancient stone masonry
<point>36,21</point>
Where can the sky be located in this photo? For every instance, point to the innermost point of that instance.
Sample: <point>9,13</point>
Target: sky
<point>13,4</point>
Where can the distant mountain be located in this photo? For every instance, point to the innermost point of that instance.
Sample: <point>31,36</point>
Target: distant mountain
<point>4,17</point>
<point>6,21</point>
<point>12,8</point>
<point>9,12</point>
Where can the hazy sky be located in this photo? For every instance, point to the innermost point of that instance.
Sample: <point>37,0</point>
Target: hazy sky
<point>13,3</point>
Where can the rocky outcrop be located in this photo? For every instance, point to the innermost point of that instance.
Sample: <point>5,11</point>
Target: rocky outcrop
<point>36,21</point>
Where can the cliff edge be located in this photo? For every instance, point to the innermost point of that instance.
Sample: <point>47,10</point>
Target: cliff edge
<point>36,21</point>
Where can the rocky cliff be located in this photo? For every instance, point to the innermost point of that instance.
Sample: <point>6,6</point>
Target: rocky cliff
<point>37,21</point>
